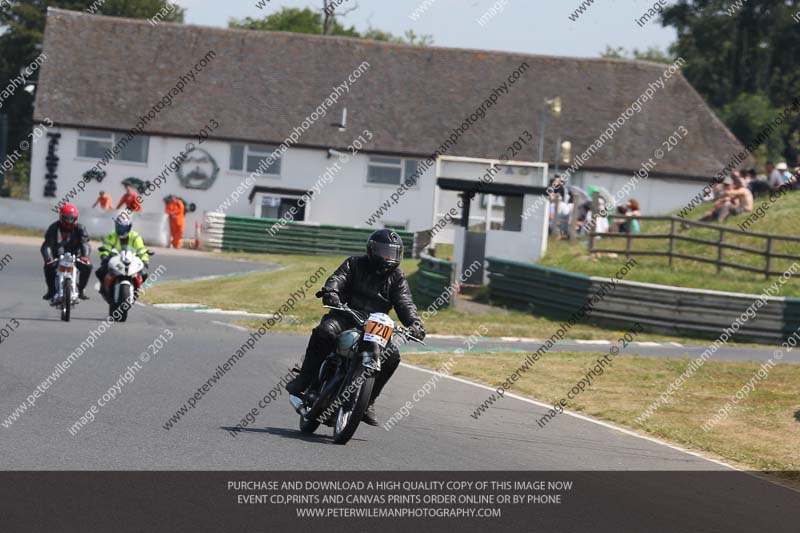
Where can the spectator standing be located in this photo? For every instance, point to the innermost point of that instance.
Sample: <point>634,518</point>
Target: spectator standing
<point>131,200</point>
<point>105,201</point>
<point>631,211</point>
<point>177,221</point>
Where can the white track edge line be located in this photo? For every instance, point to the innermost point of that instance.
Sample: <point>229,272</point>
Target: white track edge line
<point>584,417</point>
<point>234,326</point>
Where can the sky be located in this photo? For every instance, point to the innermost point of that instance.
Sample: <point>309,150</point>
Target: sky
<point>528,26</point>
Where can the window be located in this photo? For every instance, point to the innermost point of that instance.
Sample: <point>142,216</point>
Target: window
<point>281,207</point>
<point>94,144</point>
<point>248,157</point>
<point>391,170</point>
<point>497,201</point>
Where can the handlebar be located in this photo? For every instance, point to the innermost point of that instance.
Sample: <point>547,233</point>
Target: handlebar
<point>403,331</point>
<point>114,251</point>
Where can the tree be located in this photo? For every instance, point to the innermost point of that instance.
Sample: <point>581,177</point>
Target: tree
<point>294,20</point>
<point>653,54</point>
<point>323,22</point>
<point>747,117</point>
<point>20,45</point>
<point>741,52</point>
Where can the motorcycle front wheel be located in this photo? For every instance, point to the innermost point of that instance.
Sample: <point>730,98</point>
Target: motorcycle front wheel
<point>124,296</point>
<point>352,410</point>
<point>66,300</point>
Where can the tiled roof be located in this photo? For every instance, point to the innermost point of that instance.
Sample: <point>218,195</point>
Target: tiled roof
<point>105,72</point>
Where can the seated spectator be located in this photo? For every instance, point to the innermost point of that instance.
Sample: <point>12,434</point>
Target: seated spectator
<point>721,198</point>
<point>775,175</point>
<point>761,185</point>
<point>740,201</point>
<point>783,168</point>
<point>746,178</point>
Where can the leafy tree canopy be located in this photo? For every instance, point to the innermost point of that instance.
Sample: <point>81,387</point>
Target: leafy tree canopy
<point>309,21</point>
<point>21,32</point>
<point>742,54</point>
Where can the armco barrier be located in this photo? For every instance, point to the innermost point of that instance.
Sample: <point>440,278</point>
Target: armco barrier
<point>658,308</point>
<point>225,232</point>
<point>433,278</point>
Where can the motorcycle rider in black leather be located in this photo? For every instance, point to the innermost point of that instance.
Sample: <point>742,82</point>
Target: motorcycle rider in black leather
<point>63,236</point>
<point>372,283</point>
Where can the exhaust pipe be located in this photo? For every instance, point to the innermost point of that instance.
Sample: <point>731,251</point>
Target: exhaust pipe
<point>298,405</point>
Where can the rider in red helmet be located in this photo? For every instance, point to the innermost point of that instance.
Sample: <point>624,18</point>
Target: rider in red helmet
<point>61,237</point>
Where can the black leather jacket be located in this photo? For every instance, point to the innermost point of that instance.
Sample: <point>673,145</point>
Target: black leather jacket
<point>77,243</point>
<point>361,287</point>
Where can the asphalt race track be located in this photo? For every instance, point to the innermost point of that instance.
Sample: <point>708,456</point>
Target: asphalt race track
<point>128,432</point>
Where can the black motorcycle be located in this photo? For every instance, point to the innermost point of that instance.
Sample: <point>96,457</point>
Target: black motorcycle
<point>340,395</point>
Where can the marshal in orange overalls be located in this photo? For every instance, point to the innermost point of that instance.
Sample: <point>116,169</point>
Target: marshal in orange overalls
<point>177,219</point>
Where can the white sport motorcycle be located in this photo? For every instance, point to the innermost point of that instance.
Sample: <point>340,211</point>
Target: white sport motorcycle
<point>122,281</point>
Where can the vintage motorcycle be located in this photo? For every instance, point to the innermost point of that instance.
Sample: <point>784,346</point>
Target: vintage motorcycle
<point>66,286</point>
<point>340,395</point>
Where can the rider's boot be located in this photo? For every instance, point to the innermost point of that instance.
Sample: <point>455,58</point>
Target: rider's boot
<point>299,384</point>
<point>370,417</point>
<point>317,344</point>
<point>383,377</point>
<point>50,279</point>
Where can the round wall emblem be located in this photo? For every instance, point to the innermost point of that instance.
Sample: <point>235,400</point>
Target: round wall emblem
<point>198,170</point>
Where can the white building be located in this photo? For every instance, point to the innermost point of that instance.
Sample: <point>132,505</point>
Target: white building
<point>246,92</point>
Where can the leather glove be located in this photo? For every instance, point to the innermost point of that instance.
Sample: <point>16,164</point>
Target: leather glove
<point>417,330</point>
<point>332,299</point>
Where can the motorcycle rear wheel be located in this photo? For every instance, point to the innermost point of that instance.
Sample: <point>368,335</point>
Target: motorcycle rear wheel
<point>351,412</point>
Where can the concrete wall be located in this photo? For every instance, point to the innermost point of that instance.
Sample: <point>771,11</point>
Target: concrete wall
<point>348,200</point>
<point>657,196</point>
<point>153,227</point>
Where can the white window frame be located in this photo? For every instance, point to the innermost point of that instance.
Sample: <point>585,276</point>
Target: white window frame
<point>404,161</point>
<point>259,203</point>
<point>259,150</point>
<point>112,138</point>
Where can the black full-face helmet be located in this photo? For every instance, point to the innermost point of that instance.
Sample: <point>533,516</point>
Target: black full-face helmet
<point>385,250</point>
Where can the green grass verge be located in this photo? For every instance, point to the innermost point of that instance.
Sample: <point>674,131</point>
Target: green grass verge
<point>780,219</point>
<point>266,292</point>
<point>761,432</point>
<point>21,232</point>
